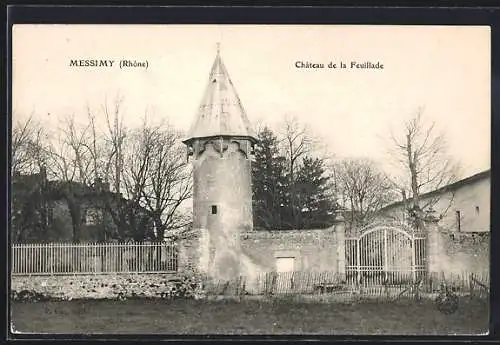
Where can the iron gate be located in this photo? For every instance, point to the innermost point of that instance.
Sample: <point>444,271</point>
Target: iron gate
<point>385,256</point>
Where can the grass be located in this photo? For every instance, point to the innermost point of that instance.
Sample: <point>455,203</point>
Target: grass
<point>247,317</point>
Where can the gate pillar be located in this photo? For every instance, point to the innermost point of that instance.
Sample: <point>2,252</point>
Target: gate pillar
<point>434,244</point>
<point>339,227</point>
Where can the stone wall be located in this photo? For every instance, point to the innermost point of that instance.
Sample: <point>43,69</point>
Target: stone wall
<point>313,250</point>
<point>306,251</point>
<point>189,248</point>
<point>95,286</point>
<point>466,252</point>
<point>457,252</point>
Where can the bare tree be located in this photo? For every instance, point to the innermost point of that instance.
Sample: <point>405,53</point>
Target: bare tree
<point>95,159</point>
<point>72,166</point>
<point>78,138</point>
<point>80,158</point>
<point>422,154</point>
<point>157,181</point>
<point>296,142</point>
<point>137,158</point>
<point>98,149</point>
<point>115,138</point>
<point>157,175</point>
<point>146,167</point>
<point>364,187</point>
<point>110,168</point>
<point>29,142</point>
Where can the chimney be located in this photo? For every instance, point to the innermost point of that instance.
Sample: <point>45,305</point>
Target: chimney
<point>43,172</point>
<point>100,185</point>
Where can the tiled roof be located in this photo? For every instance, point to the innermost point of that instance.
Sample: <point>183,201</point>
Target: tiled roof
<point>448,188</point>
<point>221,112</point>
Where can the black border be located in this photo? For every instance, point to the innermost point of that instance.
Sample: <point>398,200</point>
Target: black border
<point>467,14</point>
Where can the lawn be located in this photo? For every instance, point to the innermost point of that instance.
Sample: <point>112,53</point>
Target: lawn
<point>247,317</point>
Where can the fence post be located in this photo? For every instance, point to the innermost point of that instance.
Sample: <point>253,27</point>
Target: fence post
<point>413,258</point>
<point>386,248</point>
<point>13,258</point>
<point>358,263</point>
<point>51,257</point>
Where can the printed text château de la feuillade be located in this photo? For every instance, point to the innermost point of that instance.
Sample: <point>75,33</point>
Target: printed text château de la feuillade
<point>339,65</point>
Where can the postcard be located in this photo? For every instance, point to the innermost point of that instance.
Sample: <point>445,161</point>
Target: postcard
<point>250,179</point>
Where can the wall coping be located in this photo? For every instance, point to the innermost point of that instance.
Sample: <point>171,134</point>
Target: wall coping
<point>283,233</point>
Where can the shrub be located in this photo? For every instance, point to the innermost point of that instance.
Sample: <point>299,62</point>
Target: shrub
<point>28,296</point>
<point>447,302</point>
<point>191,285</point>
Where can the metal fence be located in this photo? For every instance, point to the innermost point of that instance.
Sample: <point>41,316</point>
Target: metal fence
<point>385,255</point>
<point>93,258</point>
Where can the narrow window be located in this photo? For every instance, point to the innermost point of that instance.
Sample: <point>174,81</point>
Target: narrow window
<point>214,209</point>
<point>477,210</point>
<point>458,219</point>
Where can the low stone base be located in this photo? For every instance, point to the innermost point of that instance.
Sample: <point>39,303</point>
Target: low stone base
<point>96,286</point>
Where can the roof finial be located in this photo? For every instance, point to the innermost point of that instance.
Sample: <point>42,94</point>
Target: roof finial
<point>218,48</point>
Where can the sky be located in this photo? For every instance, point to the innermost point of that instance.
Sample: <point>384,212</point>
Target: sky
<point>444,70</point>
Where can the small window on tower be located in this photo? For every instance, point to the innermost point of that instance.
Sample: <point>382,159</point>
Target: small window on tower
<point>214,209</point>
<point>477,209</point>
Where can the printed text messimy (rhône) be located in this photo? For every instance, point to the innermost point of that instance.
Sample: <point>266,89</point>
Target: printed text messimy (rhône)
<point>109,63</point>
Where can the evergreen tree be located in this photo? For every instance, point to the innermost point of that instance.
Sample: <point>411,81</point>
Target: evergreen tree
<point>315,204</point>
<point>29,208</point>
<point>269,182</point>
<point>273,187</point>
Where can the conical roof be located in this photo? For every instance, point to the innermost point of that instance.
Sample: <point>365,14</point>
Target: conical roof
<point>221,112</point>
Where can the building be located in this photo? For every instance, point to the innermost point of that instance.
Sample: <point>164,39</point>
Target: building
<point>462,207</point>
<point>221,143</point>
<point>45,210</point>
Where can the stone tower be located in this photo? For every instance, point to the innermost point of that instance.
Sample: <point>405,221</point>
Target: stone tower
<point>221,142</point>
